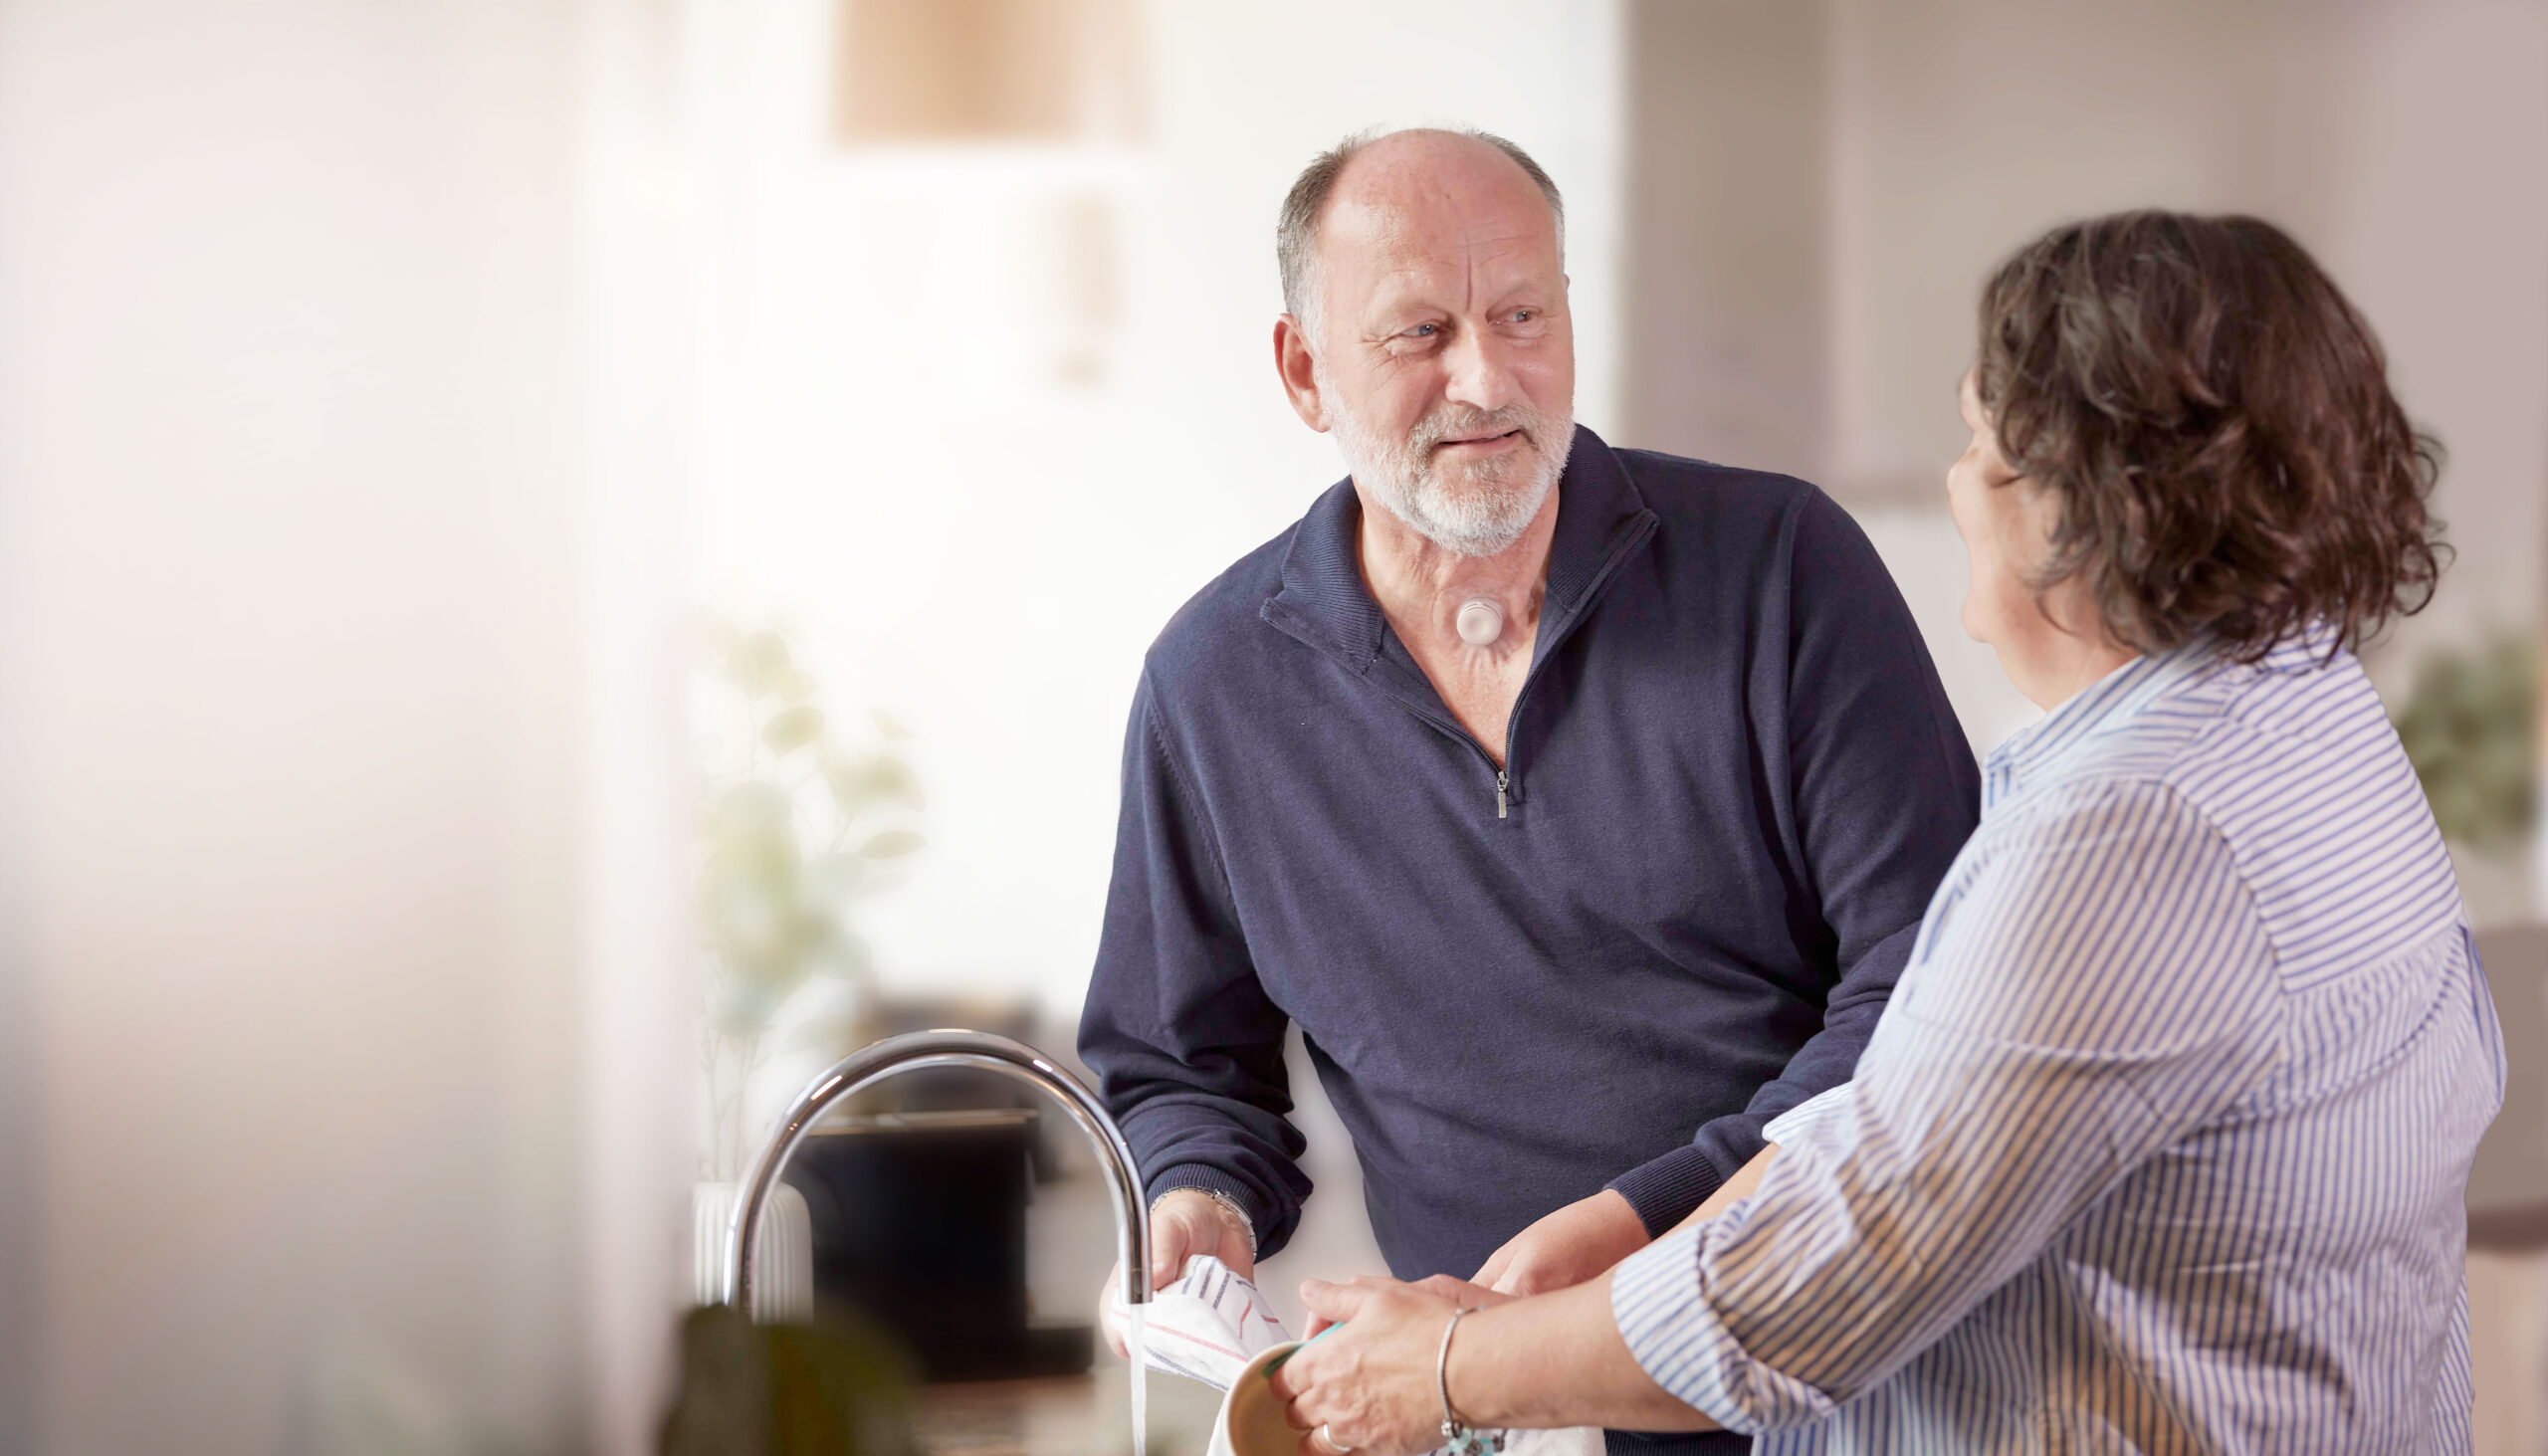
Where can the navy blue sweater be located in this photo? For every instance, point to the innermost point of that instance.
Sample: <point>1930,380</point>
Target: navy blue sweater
<point>1732,780</point>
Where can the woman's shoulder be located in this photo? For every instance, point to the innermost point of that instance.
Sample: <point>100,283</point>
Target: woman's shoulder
<point>2107,807</point>
<point>2240,746</point>
<point>2289,775</point>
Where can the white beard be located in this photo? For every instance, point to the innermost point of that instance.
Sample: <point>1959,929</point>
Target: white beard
<point>1496,500</point>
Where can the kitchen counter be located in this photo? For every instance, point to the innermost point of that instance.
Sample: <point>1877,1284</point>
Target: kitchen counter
<point>1071,1416</point>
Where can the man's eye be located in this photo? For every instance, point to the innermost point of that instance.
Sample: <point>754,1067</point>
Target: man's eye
<point>1524,315</point>
<point>1424,330</point>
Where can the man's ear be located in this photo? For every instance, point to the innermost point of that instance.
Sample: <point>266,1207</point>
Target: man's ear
<point>1298,373</point>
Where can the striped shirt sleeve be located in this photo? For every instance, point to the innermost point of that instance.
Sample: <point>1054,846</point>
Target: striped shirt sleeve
<point>2090,991</point>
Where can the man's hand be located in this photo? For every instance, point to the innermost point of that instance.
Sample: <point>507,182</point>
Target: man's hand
<point>1577,1242</point>
<point>1184,1223</point>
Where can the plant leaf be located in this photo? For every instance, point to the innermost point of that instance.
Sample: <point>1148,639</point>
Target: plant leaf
<point>860,783</point>
<point>790,728</point>
<point>892,844</point>
<point>752,823</point>
<point>2468,729</point>
<point>719,633</point>
<point>758,660</point>
<point>833,878</point>
<point>793,684</point>
<point>846,956</point>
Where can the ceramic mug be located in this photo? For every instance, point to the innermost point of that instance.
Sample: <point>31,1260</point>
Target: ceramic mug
<point>1251,1421</point>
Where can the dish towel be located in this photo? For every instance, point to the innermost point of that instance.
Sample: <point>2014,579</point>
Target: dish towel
<point>1208,1325</point>
<point>1205,1327</point>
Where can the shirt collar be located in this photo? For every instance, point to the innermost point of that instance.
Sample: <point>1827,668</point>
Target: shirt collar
<point>2026,755</point>
<point>2123,695</point>
<point>1597,507</point>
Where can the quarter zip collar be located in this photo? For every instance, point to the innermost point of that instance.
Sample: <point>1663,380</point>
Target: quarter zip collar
<point>1324,603</point>
<point>1601,520</point>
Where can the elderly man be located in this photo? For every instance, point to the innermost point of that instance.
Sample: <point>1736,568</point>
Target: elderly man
<point>1579,804</point>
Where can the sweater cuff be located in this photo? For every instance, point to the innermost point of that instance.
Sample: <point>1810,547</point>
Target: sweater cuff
<point>1664,1192</point>
<point>1203,1177</point>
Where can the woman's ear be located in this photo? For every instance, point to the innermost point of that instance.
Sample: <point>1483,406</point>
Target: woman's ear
<point>1297,369</point>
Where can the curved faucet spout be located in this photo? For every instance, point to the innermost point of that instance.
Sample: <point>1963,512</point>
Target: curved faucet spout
<point>896,1055</point>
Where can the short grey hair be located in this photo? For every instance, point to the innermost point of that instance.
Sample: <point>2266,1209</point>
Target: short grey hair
<point>1296,234</point>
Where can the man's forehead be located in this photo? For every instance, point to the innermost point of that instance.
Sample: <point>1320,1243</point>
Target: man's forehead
<point>1438,181</point>
<point>1451,201</point>
<point>1457,277</point>
<point>1388,240</point>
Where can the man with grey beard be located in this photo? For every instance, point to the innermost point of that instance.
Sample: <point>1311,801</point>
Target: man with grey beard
<point>1579,804</point>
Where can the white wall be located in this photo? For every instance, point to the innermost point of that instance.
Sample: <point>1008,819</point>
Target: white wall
<point>1964,127</point>
<point>1959,131</point>
<point>2437,223</point>
<point>2397,140</point>
<point>306,569</point>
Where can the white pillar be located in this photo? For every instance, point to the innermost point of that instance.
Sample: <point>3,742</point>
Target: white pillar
<point>340,722</point>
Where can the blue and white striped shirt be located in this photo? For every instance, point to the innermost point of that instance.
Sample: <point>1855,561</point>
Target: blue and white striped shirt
<point>2161,1143</point>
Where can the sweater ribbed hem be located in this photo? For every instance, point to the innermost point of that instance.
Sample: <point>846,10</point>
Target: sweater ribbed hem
<point>1666,1190</point>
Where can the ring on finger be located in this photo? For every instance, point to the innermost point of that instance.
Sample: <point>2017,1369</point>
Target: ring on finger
<point>1328,1438</point>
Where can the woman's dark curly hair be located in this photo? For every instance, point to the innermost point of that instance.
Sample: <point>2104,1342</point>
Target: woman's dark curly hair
<point>2218,421</point>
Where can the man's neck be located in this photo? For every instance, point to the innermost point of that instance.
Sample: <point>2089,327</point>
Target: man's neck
<point>1420,588</point>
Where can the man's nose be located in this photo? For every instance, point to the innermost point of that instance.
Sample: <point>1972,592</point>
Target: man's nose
<point>1480,371</point>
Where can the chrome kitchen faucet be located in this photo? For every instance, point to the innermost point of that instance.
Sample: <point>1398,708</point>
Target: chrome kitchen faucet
<point>895,1055</point>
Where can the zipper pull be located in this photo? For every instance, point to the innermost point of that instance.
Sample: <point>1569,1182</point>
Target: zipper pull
<point>1501,779</point>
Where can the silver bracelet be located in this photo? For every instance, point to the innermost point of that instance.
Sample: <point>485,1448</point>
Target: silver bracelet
<point>1246,1223</point>
<point>1458,1436</point>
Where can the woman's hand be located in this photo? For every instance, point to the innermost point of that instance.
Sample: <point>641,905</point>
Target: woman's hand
<point>1459,1292</point>
<point>1373,1387</point>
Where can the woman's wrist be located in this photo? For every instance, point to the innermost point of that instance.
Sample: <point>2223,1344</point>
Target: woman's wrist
<point>1479,1396</point>
<point>1557,1359</point>
<point>1454,1419</point>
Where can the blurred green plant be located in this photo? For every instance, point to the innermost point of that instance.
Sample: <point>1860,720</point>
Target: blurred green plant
<point>2471,731</point>
<point>837,1387</point>
<point>796,825</point>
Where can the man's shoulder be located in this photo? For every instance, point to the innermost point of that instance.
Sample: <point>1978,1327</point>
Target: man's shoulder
<point>1758,521</point>
<point>1761,531</point>
<point>1201,634</point>
<point>1687,492</point>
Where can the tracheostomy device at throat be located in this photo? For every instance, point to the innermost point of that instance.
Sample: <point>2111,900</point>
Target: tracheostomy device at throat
<point>1480,621</point>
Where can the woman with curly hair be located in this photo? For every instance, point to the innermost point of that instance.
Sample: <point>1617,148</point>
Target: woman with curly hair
<point>2163,1142</point>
